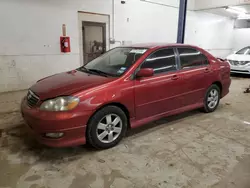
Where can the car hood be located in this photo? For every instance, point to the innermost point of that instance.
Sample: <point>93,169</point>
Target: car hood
<point>237,57</point>
<point>67,83</point>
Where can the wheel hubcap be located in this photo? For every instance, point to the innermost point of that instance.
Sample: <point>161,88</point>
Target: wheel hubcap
<point>109,128</point>
<point>213,98</point>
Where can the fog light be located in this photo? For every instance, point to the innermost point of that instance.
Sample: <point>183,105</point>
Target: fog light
<point>54,135</point>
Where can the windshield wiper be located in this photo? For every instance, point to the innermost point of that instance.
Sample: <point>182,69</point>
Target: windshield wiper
<point>99,72</point>
<point>84,69</point>
<point>91,71</point>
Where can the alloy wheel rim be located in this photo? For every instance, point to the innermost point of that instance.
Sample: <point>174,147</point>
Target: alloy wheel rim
<point>109,128</point>
<point>213,98</point>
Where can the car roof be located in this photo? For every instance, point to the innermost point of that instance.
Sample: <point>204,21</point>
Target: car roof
<point>159,45</point>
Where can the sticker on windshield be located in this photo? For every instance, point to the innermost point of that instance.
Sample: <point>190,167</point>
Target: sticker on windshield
<point>138,51</point>
<point>121,70</point>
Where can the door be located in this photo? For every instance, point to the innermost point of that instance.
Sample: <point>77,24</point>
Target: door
<point>196,74</point>
<point>94,40</point>
<point>159,93</point>
<point>87,22</point>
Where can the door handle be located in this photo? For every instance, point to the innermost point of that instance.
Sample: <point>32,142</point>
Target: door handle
<point>175,77</point>
<point>207,70</point>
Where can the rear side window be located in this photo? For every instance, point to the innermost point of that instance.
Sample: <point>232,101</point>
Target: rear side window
<point>161,61</point>
<point>190,58</point>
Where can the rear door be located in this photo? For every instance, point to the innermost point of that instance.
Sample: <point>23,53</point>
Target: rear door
<point>159,93</point>
<point>196,72</point>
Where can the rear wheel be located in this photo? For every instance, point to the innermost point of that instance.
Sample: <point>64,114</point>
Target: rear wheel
<point>212,98</point>
<point>107,127</point>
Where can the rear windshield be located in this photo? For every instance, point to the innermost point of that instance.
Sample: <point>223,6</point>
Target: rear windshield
<point>116,61</point>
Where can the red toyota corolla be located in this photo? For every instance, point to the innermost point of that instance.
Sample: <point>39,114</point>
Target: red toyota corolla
<point>122,89</point>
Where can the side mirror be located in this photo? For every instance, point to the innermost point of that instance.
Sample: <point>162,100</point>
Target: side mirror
<point>147,72</point>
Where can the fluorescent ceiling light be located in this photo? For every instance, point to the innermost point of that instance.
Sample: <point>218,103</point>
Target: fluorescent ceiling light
<point>236,10</point>
<point>232,11</point>
<point>240,9</point>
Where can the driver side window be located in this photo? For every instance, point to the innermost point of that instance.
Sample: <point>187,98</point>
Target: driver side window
<point>161,61</point>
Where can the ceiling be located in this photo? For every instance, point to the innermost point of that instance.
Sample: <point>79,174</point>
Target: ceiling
<point>223,12</point>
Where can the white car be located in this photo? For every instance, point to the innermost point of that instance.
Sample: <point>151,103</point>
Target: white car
<point>240,61</point>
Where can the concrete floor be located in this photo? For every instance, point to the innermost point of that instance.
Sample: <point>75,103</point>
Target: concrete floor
<point>189,150</point>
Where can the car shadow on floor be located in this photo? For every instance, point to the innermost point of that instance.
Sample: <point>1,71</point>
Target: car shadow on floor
<point>236,75</point>
<point>19,141</point>
<point>161,123</point>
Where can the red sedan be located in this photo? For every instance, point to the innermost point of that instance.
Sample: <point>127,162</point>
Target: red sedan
<point>122,89</point>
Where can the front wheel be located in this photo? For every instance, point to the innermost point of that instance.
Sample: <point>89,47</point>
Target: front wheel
<point>212,98</point>
<point>107,127</point>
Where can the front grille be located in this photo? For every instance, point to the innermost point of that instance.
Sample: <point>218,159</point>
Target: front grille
<point>32,99</point>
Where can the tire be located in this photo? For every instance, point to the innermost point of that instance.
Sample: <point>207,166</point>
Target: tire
<point>103,124</point>
<point>212,99</point>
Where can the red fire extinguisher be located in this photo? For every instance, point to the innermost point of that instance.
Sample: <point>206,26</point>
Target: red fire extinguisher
<point>65,44</point>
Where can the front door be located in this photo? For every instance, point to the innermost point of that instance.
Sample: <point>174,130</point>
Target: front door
<point>159,93</point>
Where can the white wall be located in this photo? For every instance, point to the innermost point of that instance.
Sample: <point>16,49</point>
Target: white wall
<point>148,23</point>
<point>30,31</point>
<point>241,38</point>
<point>211,32</point>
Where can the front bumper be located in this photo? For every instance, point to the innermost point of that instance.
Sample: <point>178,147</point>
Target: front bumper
<point>243,69</point>
<point>72,124</point>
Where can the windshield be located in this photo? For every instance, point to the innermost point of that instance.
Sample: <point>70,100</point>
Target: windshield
<point>244,51</point>
<point>115,62</point>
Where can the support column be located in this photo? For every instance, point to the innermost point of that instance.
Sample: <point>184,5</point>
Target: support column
<point>182,21</point>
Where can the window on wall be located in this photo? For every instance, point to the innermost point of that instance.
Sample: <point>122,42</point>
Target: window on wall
<point>190,58</point>
<point>161,61</point>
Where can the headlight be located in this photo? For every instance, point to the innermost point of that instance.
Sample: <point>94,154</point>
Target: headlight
<point>244,62</point>
<point>60,104</point>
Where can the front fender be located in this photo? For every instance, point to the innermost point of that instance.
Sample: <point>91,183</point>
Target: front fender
<point>122,93</point>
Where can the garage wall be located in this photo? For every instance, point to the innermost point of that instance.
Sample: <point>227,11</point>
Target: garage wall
<point>141,24</point>
<point>211,32</point>
<point>241,38</point>
<point>30,31</point>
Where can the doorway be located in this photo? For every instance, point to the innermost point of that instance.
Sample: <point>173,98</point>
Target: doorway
<point>94,40</point>
<point>93,35</point>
